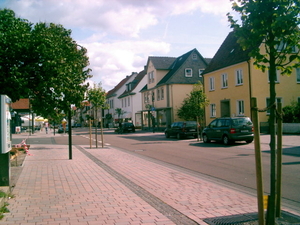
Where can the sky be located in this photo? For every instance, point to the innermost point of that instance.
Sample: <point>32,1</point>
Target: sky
<point>120,35</point>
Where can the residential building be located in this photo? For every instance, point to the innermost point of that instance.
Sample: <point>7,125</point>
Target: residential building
<point>113,102</point>
<point>169,81</point>
<point>131,99</point>
<point>231,80</point>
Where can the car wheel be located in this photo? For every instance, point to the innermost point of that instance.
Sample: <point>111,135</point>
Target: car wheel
<point>226,140</point>
<point>249,141</point>
<point>178,136</point>
<point>205,138</point>
<point>167,135</point>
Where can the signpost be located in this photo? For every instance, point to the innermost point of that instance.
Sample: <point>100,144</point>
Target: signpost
<point>5,143</point>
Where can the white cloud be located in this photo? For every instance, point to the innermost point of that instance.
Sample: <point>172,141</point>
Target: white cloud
<point>113,61</point>
<point>120,34</point>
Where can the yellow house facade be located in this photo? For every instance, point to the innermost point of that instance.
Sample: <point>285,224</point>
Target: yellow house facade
<point>231,80</point>
<point>169,81</point>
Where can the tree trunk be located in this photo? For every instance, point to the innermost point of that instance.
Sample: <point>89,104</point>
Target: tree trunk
<point>272,122</point>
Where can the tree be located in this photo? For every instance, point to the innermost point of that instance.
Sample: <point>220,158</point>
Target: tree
<point>97,97</point>
<point>59,69</point>
<point>42,62</point>
<point>119,112</point>
<point>274,26</point>
<point>15,36</point>
<point>193,107</point>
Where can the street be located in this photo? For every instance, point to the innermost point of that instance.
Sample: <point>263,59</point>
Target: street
<point>232,165</point>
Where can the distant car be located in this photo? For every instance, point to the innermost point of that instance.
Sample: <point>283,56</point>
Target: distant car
<point>61,129</point>
<point>182,129</point>
<point>229,129</point>
<point>127,127</point>
<point>77,125</point>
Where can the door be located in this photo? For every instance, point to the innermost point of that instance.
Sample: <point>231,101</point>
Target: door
<point>225,108</point>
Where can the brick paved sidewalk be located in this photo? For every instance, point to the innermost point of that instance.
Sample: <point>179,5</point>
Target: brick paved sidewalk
<point>109,186</point>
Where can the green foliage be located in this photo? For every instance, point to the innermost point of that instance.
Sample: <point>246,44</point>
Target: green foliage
<point>42,62</point>
<point>291,113</point>
<point>193,106</point>
<point>15,35</point>
<point>120,112</point>
<point>3,209</point>
<point>97,96</point>
<point>274,23</point>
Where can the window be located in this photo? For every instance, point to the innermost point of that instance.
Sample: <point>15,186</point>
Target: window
<point>224,78</point>
<point>146,97</point>
<point>158,94</point>
<point>212,110</point>
<point>298,75</point>
<point>153,96</point>
<point>223,123</point>
<point>128,87</point>
<point>162,95</point>
<point>211,83</point>
<point>111,104</point>
<point>128,101</point>
<point>268,103</point>
<point>281,47</point>
<point>239,77</point>
<point>194,56</point>
<point>151,77</point>
<point>200,72</point>
<point>188,72</point>
<point>240,108</point>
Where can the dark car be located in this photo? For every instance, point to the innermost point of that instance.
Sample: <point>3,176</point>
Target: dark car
<point>229,129</point>
<point>182,129</point>
<point>126,127</point>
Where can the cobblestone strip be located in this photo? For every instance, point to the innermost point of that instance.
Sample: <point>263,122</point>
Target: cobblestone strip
<point>168,211</point>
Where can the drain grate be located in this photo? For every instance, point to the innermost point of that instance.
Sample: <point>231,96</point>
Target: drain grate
<point>286,218</point>
<point>232,220</point>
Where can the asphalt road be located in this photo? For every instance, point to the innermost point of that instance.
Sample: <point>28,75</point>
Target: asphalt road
<point>234,165</point>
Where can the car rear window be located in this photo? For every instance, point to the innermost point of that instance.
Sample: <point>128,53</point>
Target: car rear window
<point>190,124</point>
<point>242,122</point>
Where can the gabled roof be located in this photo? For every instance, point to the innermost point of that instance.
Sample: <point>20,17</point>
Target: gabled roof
<point>134,83</point>
<point>161,62</point>
<point>179,62</point>
<point>112,92</point>
<point>229,53</point>
<point>23,103</point>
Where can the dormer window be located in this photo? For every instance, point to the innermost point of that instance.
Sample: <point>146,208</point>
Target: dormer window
<point>188,72</point>
<point>128,87</point>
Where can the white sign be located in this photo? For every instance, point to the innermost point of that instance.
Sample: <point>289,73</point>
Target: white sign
<point>5,117</point>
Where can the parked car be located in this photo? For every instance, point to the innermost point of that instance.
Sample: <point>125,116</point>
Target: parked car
<point>61,129</point>
<point>182,129</point>
<point>228,130</point>
<point>126,127</point>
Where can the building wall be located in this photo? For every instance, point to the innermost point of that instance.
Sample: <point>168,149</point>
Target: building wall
<point>287,89</point>
<point>232,93</point>
<point>177,93</point>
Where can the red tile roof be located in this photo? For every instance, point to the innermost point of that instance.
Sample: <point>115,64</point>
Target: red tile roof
<point>21,104</point>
